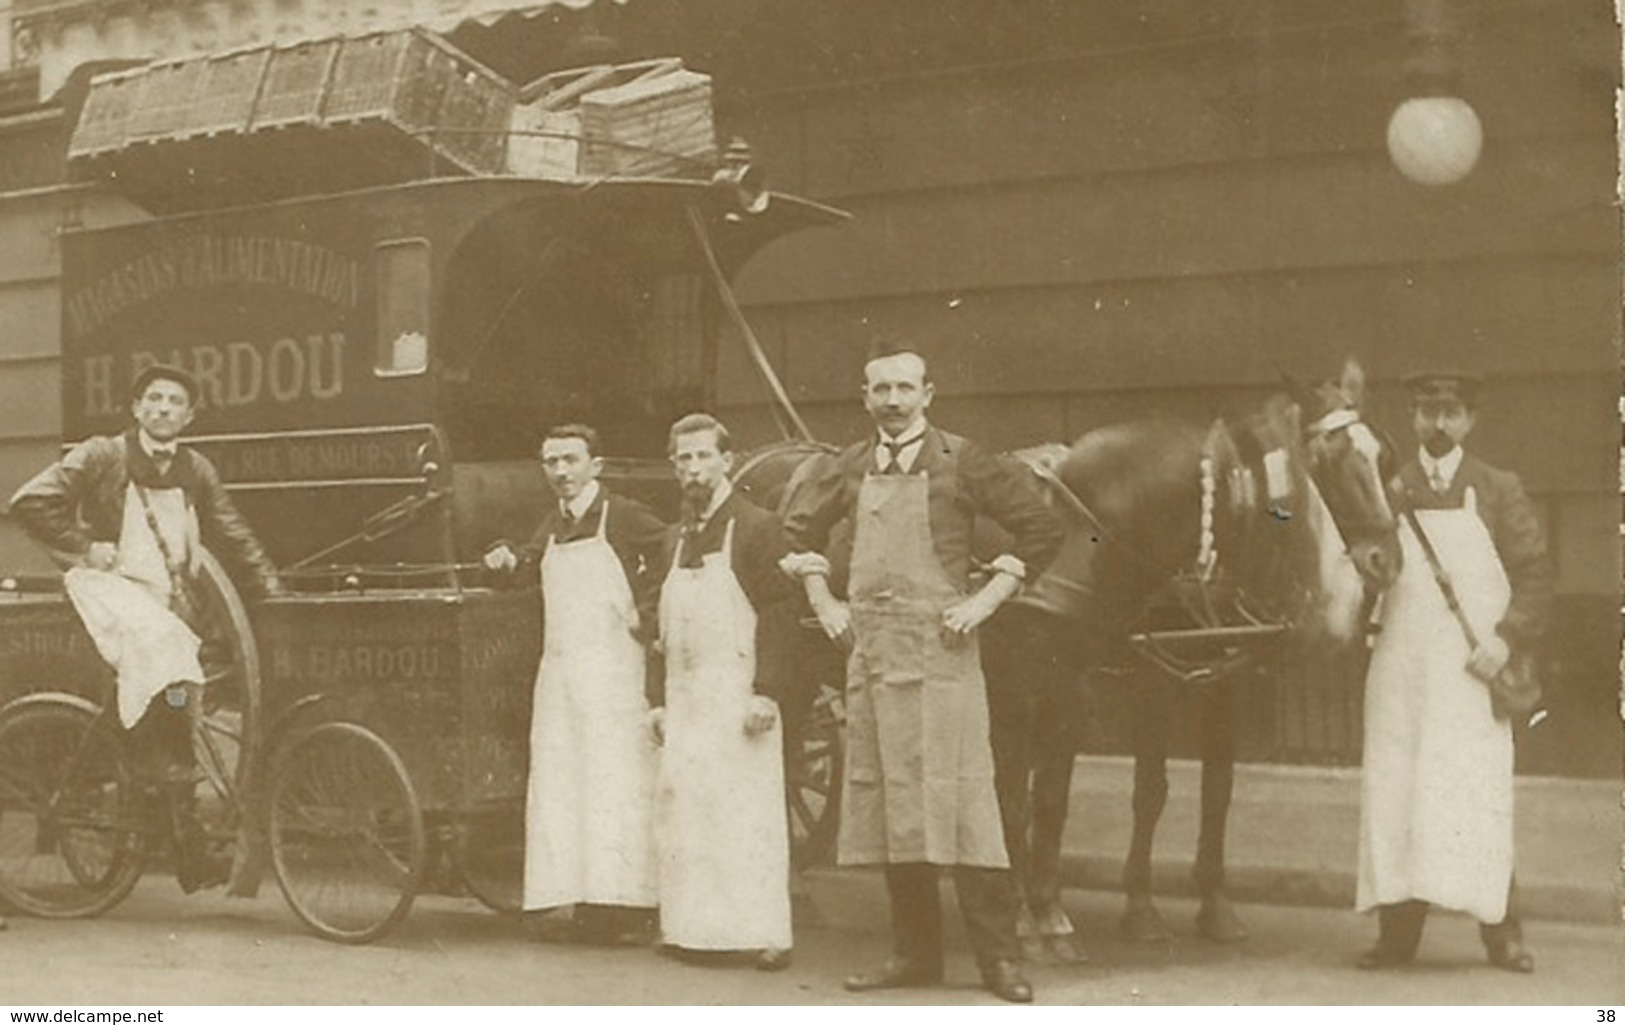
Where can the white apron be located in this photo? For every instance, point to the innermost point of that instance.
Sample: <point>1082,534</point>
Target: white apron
<point>588,831</point>
<point>1436,781</point>
<point>724,835</point>
<point>126,611</point>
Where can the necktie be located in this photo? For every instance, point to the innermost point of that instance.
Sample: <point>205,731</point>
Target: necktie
<point>895,450</point>
<point>688,545</point>
<point>163,456</point>
<point>1437,481</point>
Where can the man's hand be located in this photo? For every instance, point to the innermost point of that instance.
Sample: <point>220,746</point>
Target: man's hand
<point>101,555</point>
<point>961,619</point>
<point>501,558</point>
<point>1489,658</point>
<point>833,614</point>
<point>657,726</point>
<point>761,715</point>
<point>274,588</point>
<point>836,620</point>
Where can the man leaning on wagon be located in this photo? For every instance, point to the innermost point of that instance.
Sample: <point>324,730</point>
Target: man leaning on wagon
<point>1436,779</point>
<point>919,789</point>
<point>589,838</point>
<point>126,516</point>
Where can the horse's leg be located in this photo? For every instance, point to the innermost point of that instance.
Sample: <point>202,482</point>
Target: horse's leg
<point>1216,919</point>
<point>1061,710</point>
<point>1141,921</point>
<point>1011,712</point>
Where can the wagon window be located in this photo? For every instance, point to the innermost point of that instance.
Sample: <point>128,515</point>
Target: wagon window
<point>401,284</point>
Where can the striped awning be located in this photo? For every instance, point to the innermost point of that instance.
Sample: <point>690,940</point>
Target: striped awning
<point>60,36</point>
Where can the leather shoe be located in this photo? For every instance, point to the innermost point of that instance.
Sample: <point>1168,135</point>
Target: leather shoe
<point>773,959</point>
<point>1004,980</point>
<point>1381,956</point>
<point>1512,957</point>
<point>897,973</point>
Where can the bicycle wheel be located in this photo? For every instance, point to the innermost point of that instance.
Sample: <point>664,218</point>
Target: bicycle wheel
<point>346,832</point>
<point>72,822</point>
<point>488,849</point>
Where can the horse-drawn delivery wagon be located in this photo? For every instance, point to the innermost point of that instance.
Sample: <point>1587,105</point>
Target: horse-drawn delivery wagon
<point>375,369</point>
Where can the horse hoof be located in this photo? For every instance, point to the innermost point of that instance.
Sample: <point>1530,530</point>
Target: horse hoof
<point>1143,924</point>
<point>1217,921</point>
<point>1066,950</point>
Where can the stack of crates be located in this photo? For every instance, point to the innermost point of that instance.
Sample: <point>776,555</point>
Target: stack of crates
<point>321,115</point>
<point>648,119</point>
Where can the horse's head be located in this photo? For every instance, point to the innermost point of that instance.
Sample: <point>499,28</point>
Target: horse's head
<point>1349,461</point>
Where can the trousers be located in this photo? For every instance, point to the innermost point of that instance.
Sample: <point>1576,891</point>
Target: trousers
<point>987,899</point>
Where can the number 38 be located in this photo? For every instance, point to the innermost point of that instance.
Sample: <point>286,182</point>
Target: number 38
<point>1605,1014</point>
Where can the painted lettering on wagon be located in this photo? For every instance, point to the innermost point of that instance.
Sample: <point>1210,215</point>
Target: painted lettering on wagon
<point>317,458</point>
<point>210,260</point>
<point>359,662</point>
<point>234,374</point>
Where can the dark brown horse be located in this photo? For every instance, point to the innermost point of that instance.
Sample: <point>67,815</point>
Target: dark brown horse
<point>1204,546</point>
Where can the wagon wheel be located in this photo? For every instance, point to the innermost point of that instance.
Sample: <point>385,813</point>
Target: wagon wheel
<point>346,832</point>
<point>813,782</point>
<point>226,730</point>
<point>488,849</point>
<point>72,818</point>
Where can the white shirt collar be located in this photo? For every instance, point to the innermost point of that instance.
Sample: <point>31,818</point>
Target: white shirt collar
<point>1443,469</point>
<point>152,446</point>
<point>577,507</point>
<point>907,454</point>
<point>718,496</point>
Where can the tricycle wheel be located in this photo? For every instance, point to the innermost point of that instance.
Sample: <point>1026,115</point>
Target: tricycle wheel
<point>488,848</point>
<point>346,832</point>
<point>72,824</point>
<point>226,727</point>
<point>813,781</point>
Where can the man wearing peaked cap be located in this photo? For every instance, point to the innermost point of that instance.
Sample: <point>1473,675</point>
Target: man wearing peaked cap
<point>1436,800</point>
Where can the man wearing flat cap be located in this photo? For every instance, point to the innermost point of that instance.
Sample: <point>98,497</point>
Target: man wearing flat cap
<point>126,517</point>
<point>1436,779</point>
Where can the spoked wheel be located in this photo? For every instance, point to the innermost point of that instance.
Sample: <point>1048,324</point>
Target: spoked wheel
<point>226,729</point>
<point>346,832</point>
<point>813,784</point>
<point>72,818</point>
<point>488,848</point>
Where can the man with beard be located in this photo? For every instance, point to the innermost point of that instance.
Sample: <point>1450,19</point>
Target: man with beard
<point>589,837</point>
<point>723,833</point>
<point>1436,779</point>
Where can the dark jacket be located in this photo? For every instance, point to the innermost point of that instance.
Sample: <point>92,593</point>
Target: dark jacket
<point>758,545</point>
<point>1506,510</point>
<point>966,482</point>
<point>80,499</point>
<point>633,532</point>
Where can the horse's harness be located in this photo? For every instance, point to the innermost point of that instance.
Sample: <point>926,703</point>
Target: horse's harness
<point>1229,630</point>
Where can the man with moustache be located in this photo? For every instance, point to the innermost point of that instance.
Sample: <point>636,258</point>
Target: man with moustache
<point>919,789</point>
<point>1436,778</point>
<point>723,832</point>
<point>589,838</point>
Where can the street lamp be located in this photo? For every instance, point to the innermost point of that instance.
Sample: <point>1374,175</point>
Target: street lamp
<point>1434,137</point>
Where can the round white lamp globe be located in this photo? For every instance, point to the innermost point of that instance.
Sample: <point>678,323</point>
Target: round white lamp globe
<point>1435,140</point>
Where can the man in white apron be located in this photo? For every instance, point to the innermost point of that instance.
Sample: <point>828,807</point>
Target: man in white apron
<point>721,821</point>
<point>1436,781</point>
<point>125,516</point>
<point>918,790</point>
<point>589,839</point>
